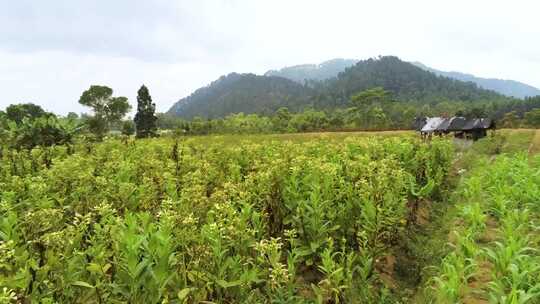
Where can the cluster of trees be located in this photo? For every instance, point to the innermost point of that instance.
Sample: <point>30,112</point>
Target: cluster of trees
<point>28,125</point>
<point>528,119</point>
<point>372,109</point>
<point>108,112</point>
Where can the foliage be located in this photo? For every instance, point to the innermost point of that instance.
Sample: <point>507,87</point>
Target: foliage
<point>107,109</point>
<point>313,72</point>
<point>145,119</point>
<point>128,128</point>
<point>174,221</point>
<point>252,94</point>
<point>510,120</point>
<point>18,112</point>
<point>532,118</point>
<point>495,254</point>
<point>247,93</point>
<point>376,114</point>
<point>43,131</point>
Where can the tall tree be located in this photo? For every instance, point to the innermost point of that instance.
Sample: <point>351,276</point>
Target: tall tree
<point>107,109</point>
<point>145,119</point>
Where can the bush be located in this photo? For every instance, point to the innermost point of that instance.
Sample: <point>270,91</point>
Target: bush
<point>43,131</point>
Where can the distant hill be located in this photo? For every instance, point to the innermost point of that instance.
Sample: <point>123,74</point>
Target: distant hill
<point>325,70</point>
<point>506,87</point>
<point>246,93</point>
<point>250,93</point>
<point>404,80</point>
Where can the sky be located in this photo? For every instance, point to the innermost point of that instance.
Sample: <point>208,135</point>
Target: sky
<point>51,51</point>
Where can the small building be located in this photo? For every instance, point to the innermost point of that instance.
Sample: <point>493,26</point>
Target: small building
<point>472,128</point>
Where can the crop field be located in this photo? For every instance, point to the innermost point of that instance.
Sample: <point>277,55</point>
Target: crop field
<point>300,218</point>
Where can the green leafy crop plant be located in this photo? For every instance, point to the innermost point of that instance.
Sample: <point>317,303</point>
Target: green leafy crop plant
<point>179,221</point>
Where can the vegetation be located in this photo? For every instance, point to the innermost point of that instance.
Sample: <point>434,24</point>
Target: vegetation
<point>295,218</point>
<point>300,218</point>
<point>25,126</point>
<point>145,119</point>
<point>372,109</point>
<point>107,109</point>
<point>128,127</point>
<point>178,221</point>
<point>247,93</point>
<point>493,254</point>
<point>411,86</point>
<point>18,112</point>
<point>307,73</point>
<point>506,87</point>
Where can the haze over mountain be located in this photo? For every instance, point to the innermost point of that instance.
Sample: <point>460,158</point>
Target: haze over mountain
<point>304,72</point>
<point>510,88</point>
<point>250,93</point>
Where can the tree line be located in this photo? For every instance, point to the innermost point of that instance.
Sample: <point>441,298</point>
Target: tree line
<point>28,125</point>
<point>371,109</point>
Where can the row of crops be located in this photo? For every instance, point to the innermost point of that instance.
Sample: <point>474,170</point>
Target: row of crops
<point>159,221</point>
<point>494,256</point>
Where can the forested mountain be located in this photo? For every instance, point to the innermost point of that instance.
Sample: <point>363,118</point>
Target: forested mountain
<point>404,80</point>
<point>250,93</point>
<point>305,72</point>
<point>506,87</point>
<point>247,93</point>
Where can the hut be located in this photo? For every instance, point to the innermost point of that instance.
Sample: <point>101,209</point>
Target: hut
<point>472,128</point>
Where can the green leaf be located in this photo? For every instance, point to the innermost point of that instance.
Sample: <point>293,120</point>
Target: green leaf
<point>225,284</point>
<point>94,268</point>
<point>182,294</point>
<point>82,284</point>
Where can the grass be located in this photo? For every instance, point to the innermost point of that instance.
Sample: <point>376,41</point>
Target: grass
<point>534,148</point>
<point>506,140</point>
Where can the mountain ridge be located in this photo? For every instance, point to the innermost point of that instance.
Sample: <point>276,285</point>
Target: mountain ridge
<point>508,87</point>
<point>250,93</point>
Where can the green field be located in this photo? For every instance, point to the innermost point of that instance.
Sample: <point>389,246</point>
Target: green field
<point>352,217</point>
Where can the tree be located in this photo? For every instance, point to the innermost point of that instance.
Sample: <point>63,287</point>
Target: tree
<point>72,116</point>
<point>18,112</point>
<point>475,112</point>
<point>145,119</point>
<point>281,119</point>
<point>128,128</point>
<point>510,120</point>
<point>532,118</point>
<point>370,97</point>
<point>107,109</point>
<point>369,106</point>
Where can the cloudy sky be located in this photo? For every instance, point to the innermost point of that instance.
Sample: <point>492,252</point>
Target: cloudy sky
<point>51,51</point>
